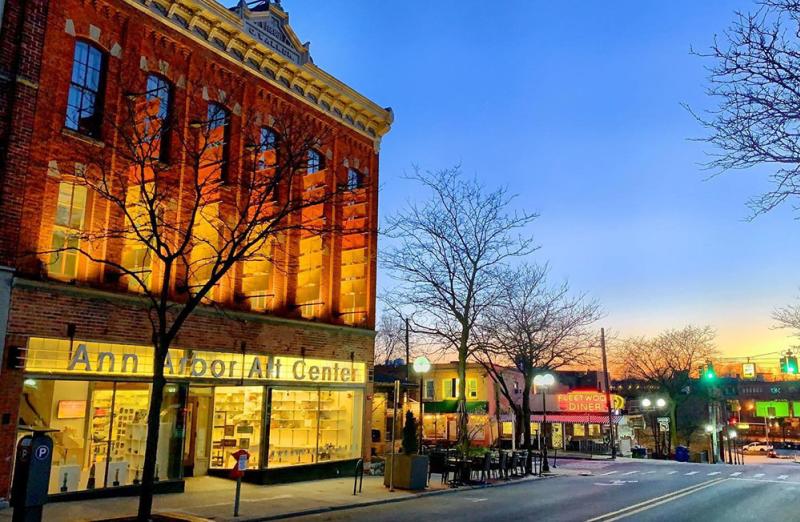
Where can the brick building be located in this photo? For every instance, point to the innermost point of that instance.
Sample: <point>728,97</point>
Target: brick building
<point>75,351</point>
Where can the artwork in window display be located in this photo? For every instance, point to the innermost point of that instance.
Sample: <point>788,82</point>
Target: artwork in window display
<point>237,412</point>
<point>309,426</point>
<point>101,428</point>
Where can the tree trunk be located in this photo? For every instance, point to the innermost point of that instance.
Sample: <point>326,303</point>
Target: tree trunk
<point>153,425</point>
<point>463,426</point>
<point>673,427</point>
<point>526,422</point>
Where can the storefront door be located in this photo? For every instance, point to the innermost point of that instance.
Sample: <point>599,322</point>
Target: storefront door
<point>195,448</point>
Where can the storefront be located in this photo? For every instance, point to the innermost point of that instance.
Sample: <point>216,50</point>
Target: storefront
<point>576,421</point>
<point>297,417</point>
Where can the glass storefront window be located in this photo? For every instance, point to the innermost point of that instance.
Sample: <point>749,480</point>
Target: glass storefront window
<point>339,425</point>
<point>102,428</point>
<point>293,427</point>
<point>309,426</point>
<point>237,424</point>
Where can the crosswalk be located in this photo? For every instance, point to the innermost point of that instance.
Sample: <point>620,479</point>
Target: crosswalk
<point>742,475</point>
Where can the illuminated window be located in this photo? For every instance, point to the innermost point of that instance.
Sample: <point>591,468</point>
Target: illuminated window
<point>315,162</point>
<point>136,255</point>
<point>85,99</point>
<point>214,163</point>
<point>355,179</point>
<point>157,113</point>
<point>257,279</point>
<point>450,388</point>
<point>70,211</point>
<point>309,276</point>
<point>205,250</point>
<point>472,388</point>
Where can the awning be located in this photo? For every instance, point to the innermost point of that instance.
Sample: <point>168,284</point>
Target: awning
<point>572,418</point>
<point>451,406</point>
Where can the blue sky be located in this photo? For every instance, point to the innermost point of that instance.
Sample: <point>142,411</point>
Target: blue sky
<point>576,107</point>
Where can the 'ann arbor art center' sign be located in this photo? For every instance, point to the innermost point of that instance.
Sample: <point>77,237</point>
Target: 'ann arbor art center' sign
<point>57,356</point>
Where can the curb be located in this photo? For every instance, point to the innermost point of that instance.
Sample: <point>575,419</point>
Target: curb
<point>369,503</point>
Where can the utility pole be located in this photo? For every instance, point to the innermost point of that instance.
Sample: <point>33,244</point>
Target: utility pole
<point>608,394</point>
<point>408,360</point>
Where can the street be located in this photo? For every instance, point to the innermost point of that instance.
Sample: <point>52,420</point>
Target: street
<point>642,491</point>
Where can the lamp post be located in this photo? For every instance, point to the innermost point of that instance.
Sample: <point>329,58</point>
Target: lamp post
<point>650,405</point>
<point>709,432</point>
<point>421,366</point>
<point>544,381</point>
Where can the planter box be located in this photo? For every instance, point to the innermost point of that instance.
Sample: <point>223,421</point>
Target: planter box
<point>410,471</point>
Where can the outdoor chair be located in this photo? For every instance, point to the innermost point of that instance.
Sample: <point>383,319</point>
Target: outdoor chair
<point>487,467</point>
<point>522,462</point>
<point>503,464</point>
<point>437,463</point>
<point>494,465</point>
<point>512,467</point>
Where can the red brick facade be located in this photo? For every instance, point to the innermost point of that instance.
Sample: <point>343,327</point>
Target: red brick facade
<point>36,55</point>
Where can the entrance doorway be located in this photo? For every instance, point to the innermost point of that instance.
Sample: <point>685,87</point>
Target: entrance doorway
<point>196,445</point>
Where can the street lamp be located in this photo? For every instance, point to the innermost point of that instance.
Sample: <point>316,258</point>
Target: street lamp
<point>544,381</point>
<point>650,405</point>
<point>421,366</point>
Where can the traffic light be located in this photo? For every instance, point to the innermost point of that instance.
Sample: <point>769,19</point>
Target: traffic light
<point>789,363</point>
<point>708,372</point>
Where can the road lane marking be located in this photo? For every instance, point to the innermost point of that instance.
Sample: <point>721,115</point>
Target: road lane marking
<point>736,474</point>
<point>630,473</point>
<point>758,475</point>
<point>653,502</point>
<point>783,477</point>
<point>714,473</point>
<point>648,472</point>
<point>609,472</point>
<point>693,473</point>
<point>671,472</point>
<point>773,481</point>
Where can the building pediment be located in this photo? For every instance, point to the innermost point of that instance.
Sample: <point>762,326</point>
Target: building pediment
<point>268,23</point>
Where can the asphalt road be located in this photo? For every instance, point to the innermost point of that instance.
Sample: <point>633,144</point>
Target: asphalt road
<point>640,491</point>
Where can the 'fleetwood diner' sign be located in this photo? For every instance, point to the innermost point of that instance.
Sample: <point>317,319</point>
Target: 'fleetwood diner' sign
<point>59,356</point>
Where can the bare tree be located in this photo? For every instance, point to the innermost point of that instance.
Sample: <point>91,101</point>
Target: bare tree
<point>390,339</point>
<point>445,255</point>
<point>788,317</point>
<point>668,362</point>
<point>534,326</point>
<point>185,224</point>
<point>755,77</point>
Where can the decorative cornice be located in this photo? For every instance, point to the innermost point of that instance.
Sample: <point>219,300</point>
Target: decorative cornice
<point>230,35</point>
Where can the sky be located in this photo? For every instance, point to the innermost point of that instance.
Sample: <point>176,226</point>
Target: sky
<point>576,107</point>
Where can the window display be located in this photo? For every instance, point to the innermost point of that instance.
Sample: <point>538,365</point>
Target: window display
<point>237,424</point>
<point>309,426</point>
<point>102,427</point>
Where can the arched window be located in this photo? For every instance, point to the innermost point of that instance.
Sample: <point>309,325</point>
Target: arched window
<point>217,137</point>
<point>267,143</point>
<point>157,114</point>
<point>316,162</point>
<point>85,101</point>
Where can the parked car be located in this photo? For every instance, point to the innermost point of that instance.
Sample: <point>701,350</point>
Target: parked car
<point>784,450</point>
<point>757,447</point>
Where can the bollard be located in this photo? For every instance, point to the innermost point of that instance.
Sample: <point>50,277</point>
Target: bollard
<point>238,496</point>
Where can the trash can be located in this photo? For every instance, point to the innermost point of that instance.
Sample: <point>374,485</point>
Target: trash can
<point>639,452</point>
<point>682,454</point>
<point>704,457</point>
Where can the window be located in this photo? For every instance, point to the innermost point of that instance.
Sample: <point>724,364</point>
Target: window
<point>157,113</point>
<point>268,143</point>
<point>85,103</point>
<point>237,424</point>
<point>429,389</point>
<point>67,227</point>
<point>472,388</point>
<point>214,163</point>
<point>354,179</point>
<point>450,388</point>
<point>315,162</point>
<point>136,254</point>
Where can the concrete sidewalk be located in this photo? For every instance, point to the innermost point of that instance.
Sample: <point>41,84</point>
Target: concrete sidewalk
<point>209,498</point>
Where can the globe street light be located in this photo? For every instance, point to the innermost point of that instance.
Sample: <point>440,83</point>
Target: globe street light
<point>544,381</point>
<point>650,405</point>
<point>421,366</point>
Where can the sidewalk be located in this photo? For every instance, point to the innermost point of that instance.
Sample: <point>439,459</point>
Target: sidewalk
<point>209,498</point>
